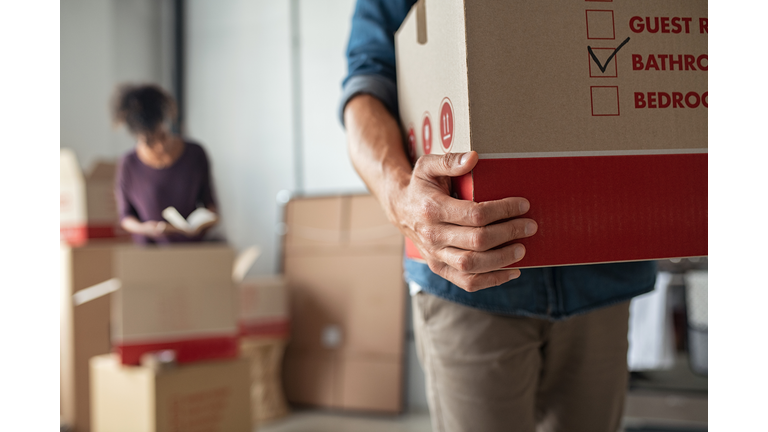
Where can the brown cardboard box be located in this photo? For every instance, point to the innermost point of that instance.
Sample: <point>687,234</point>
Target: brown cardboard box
<point>204,396</point>
<point>88,207</point>
<point>178,297</point>
<point>347,305</point>
<point>265,356</point>
<point>263,307</point>
<point>263,322</point>
<point>595,111</point>
<point>84,329</point>
<point>318,224</point>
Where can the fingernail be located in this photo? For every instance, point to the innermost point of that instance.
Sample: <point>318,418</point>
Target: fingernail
<point>519,252</point>
<point>530,228</point>
<point>524,206</point>
<point>464,158</point>
<point>514,275</point>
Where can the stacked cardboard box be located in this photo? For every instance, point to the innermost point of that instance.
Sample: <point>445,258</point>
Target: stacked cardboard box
<point>88,208</point>
<point>180,299</point>
<point>85,328</point>
<point>203,396</point>
<point>263,307</point>
<point>265,356</point>
<point>343,263</point>
<point>264,326</point>
<point>595,111</point>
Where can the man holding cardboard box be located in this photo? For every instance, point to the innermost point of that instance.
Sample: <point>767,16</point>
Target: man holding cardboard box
<point>501,349</point>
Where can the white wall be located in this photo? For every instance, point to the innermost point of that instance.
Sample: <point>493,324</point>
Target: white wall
<point>86,78</point>
<point>239,107</point>
<point>324,30</point>
<point>104,43</point>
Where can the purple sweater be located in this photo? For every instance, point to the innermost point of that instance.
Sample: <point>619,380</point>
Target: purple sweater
<point>144,192</point>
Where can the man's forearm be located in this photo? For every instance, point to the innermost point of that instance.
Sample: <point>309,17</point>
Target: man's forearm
<point>376,148</point>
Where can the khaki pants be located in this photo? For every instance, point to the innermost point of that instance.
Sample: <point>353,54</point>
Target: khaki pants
<point>488,372</point>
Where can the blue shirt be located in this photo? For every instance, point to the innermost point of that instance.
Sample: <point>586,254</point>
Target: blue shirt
<point>554,292</point>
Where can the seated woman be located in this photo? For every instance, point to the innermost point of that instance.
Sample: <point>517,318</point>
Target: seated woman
<point>162,171</point>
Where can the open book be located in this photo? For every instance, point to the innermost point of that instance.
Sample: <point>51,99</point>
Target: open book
<point>197,218</point>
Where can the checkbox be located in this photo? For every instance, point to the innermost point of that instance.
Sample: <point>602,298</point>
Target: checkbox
<point>603,54</point>
<point>600,25</point>
<point>605,100</point>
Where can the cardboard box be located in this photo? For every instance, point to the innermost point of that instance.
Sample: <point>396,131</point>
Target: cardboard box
<point>88,207</point>
<point>343,263</point>
<point>84,329</point>
<point>596,112</point>
<point>263,307</point>
<point>179,297</point>
<point>265,356</point>
<point>212,396</point>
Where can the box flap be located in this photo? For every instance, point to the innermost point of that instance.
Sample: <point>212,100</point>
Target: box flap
<point>244,262</point>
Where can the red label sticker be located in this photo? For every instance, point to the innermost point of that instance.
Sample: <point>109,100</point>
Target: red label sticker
<point>446,124</point>
<point>412,144</point>
<point>426,134</point>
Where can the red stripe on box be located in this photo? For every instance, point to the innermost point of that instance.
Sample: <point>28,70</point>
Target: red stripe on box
<point>463,186</point>
<point>595,209</point>
<point>79,234</point>
<point>187,350</point>
<point>411,251</point>
<point>272,328</point>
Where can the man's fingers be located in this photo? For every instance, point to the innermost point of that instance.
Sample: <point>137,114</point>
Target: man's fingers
<point>468,213</point>
<point>475,281</point>
<point>488,237</point>
<point>480,262</point>
<point>445,165</point>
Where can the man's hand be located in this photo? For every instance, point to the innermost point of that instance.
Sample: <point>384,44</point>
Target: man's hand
<point>457,238</point>
<point>460,239</point>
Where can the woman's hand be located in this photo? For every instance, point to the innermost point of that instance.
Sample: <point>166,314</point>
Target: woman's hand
<point>152,229</point>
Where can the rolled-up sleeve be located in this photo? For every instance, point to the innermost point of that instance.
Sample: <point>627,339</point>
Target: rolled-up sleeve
<point>371,52</point>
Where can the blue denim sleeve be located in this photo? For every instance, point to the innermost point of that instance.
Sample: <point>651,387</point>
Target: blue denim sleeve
<point>371,52</point>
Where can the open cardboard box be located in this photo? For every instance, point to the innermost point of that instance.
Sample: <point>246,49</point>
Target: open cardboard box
<point>179,298</point>
<point>595,111</point>
<point>88,207</point>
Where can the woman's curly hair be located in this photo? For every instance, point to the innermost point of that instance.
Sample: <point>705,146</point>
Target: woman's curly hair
<point>142,108</point>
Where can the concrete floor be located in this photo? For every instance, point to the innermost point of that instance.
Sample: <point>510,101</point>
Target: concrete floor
<point>323,421</point>
<point>665,418</point>
<point>646,410</point>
